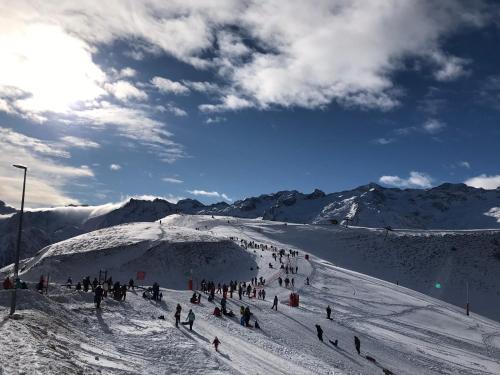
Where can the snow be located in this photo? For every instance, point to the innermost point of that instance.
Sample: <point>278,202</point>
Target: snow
<point>405,331</point>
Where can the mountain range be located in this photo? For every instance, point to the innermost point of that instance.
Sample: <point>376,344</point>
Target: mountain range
<point>448,206</point>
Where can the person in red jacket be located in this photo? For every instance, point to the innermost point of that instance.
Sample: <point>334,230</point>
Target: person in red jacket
<point>216,343</point>
<point>7,284</point>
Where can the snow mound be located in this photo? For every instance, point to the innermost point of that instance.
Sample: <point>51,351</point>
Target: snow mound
<point>167,254</point>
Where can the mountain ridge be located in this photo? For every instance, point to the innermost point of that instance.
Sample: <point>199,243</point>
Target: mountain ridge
<point>447,206</point>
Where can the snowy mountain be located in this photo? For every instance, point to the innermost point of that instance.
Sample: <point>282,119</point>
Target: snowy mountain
<point>5,210</point>
<point>401,331</point>
<point>449,206</point>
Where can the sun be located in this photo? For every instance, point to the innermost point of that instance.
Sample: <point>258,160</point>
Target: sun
<point>53,69</point>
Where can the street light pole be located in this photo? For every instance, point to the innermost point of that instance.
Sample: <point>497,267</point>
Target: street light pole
<point>18,248</point>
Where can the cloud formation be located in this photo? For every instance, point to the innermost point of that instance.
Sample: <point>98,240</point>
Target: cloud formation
<point>115,167</point>
<point>275,56</point>
<point>211,194</point>
<point>172,180</point>
<point>415,180</point>
<point>80,142</point>
<point>47,178</point>
<point>165,85</point>
<point>484,181</point>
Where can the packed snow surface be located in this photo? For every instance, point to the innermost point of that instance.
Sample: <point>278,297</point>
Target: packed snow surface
<point>404,331</point>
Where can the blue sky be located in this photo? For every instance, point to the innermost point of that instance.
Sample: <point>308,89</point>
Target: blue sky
<point>220,100</point>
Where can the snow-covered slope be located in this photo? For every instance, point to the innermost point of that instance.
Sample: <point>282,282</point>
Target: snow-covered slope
<point>404,331</point>
<point>166,254</point>
<point>415,259</point>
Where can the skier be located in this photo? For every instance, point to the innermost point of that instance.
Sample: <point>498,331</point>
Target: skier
<point>131,284</point>
<point>307,280</point>
<point>320,332</point>
<point>275,303</point>
<point>328,312</point>
<point>257,326</point>
<point>98,296</point>
<point>216,343</point>
<point>357,344</point>
<point>78,286</point>
<point>69,283</point>
<point>263,294</point>
<point>293,282</point>
<point>94,283</point>
<point>177,315</point>
<point>280,281</point>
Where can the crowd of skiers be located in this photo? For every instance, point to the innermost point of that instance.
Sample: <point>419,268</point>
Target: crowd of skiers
<point>241,288</point>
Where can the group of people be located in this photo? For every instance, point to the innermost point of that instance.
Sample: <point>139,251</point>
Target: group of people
<point>18,284</point>
<point>357,341</point>
<point>189,318</point>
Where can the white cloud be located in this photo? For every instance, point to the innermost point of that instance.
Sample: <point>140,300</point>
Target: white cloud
<point>464,164</point>
<point>433,126</point>
<point>215,120</point>
<point>229,103</point>
<point>127,72</point>
<point>15,139</point>
<point>415,180</point>
<point>384,141</point>
<point>179,112</point>
<point>135,124</point>
<point>449,67</point>
<point>80,142</point>
<point>115,167</point>
<point>47,178</point>
<point>206,87</point>
<point>211,194</point>
<point>167,86</point>
<point>484,181</point>
<point>125,91</point>
<point>172,180</point>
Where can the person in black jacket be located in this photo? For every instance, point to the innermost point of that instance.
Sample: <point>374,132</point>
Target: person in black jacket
<point>320,332</point>
<point>98,292</point>
<point>357,344</point>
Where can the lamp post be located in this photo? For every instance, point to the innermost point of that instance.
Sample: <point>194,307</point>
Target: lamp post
<point>18,248</point>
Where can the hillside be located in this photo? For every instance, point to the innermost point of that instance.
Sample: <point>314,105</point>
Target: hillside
<point>404,331</point>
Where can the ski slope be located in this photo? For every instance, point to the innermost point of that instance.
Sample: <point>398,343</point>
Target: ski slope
<point>405,331</point>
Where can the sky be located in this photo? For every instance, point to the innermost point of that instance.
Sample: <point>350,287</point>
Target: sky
<point>222,100</point>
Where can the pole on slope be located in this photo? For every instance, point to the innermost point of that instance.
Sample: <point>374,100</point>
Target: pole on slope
<point>18,246</point>
<point>467,288</point>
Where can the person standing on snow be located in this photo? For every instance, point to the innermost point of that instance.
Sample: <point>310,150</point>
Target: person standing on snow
<point>328,312</point>
<point>216,343</point>
<point>7,284</point>
<point>320,332</point>
<point>190,319</point>
<point>98,292</point>
<point>357,344</point>
<point>177,315</point>
<point>275,303</point>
